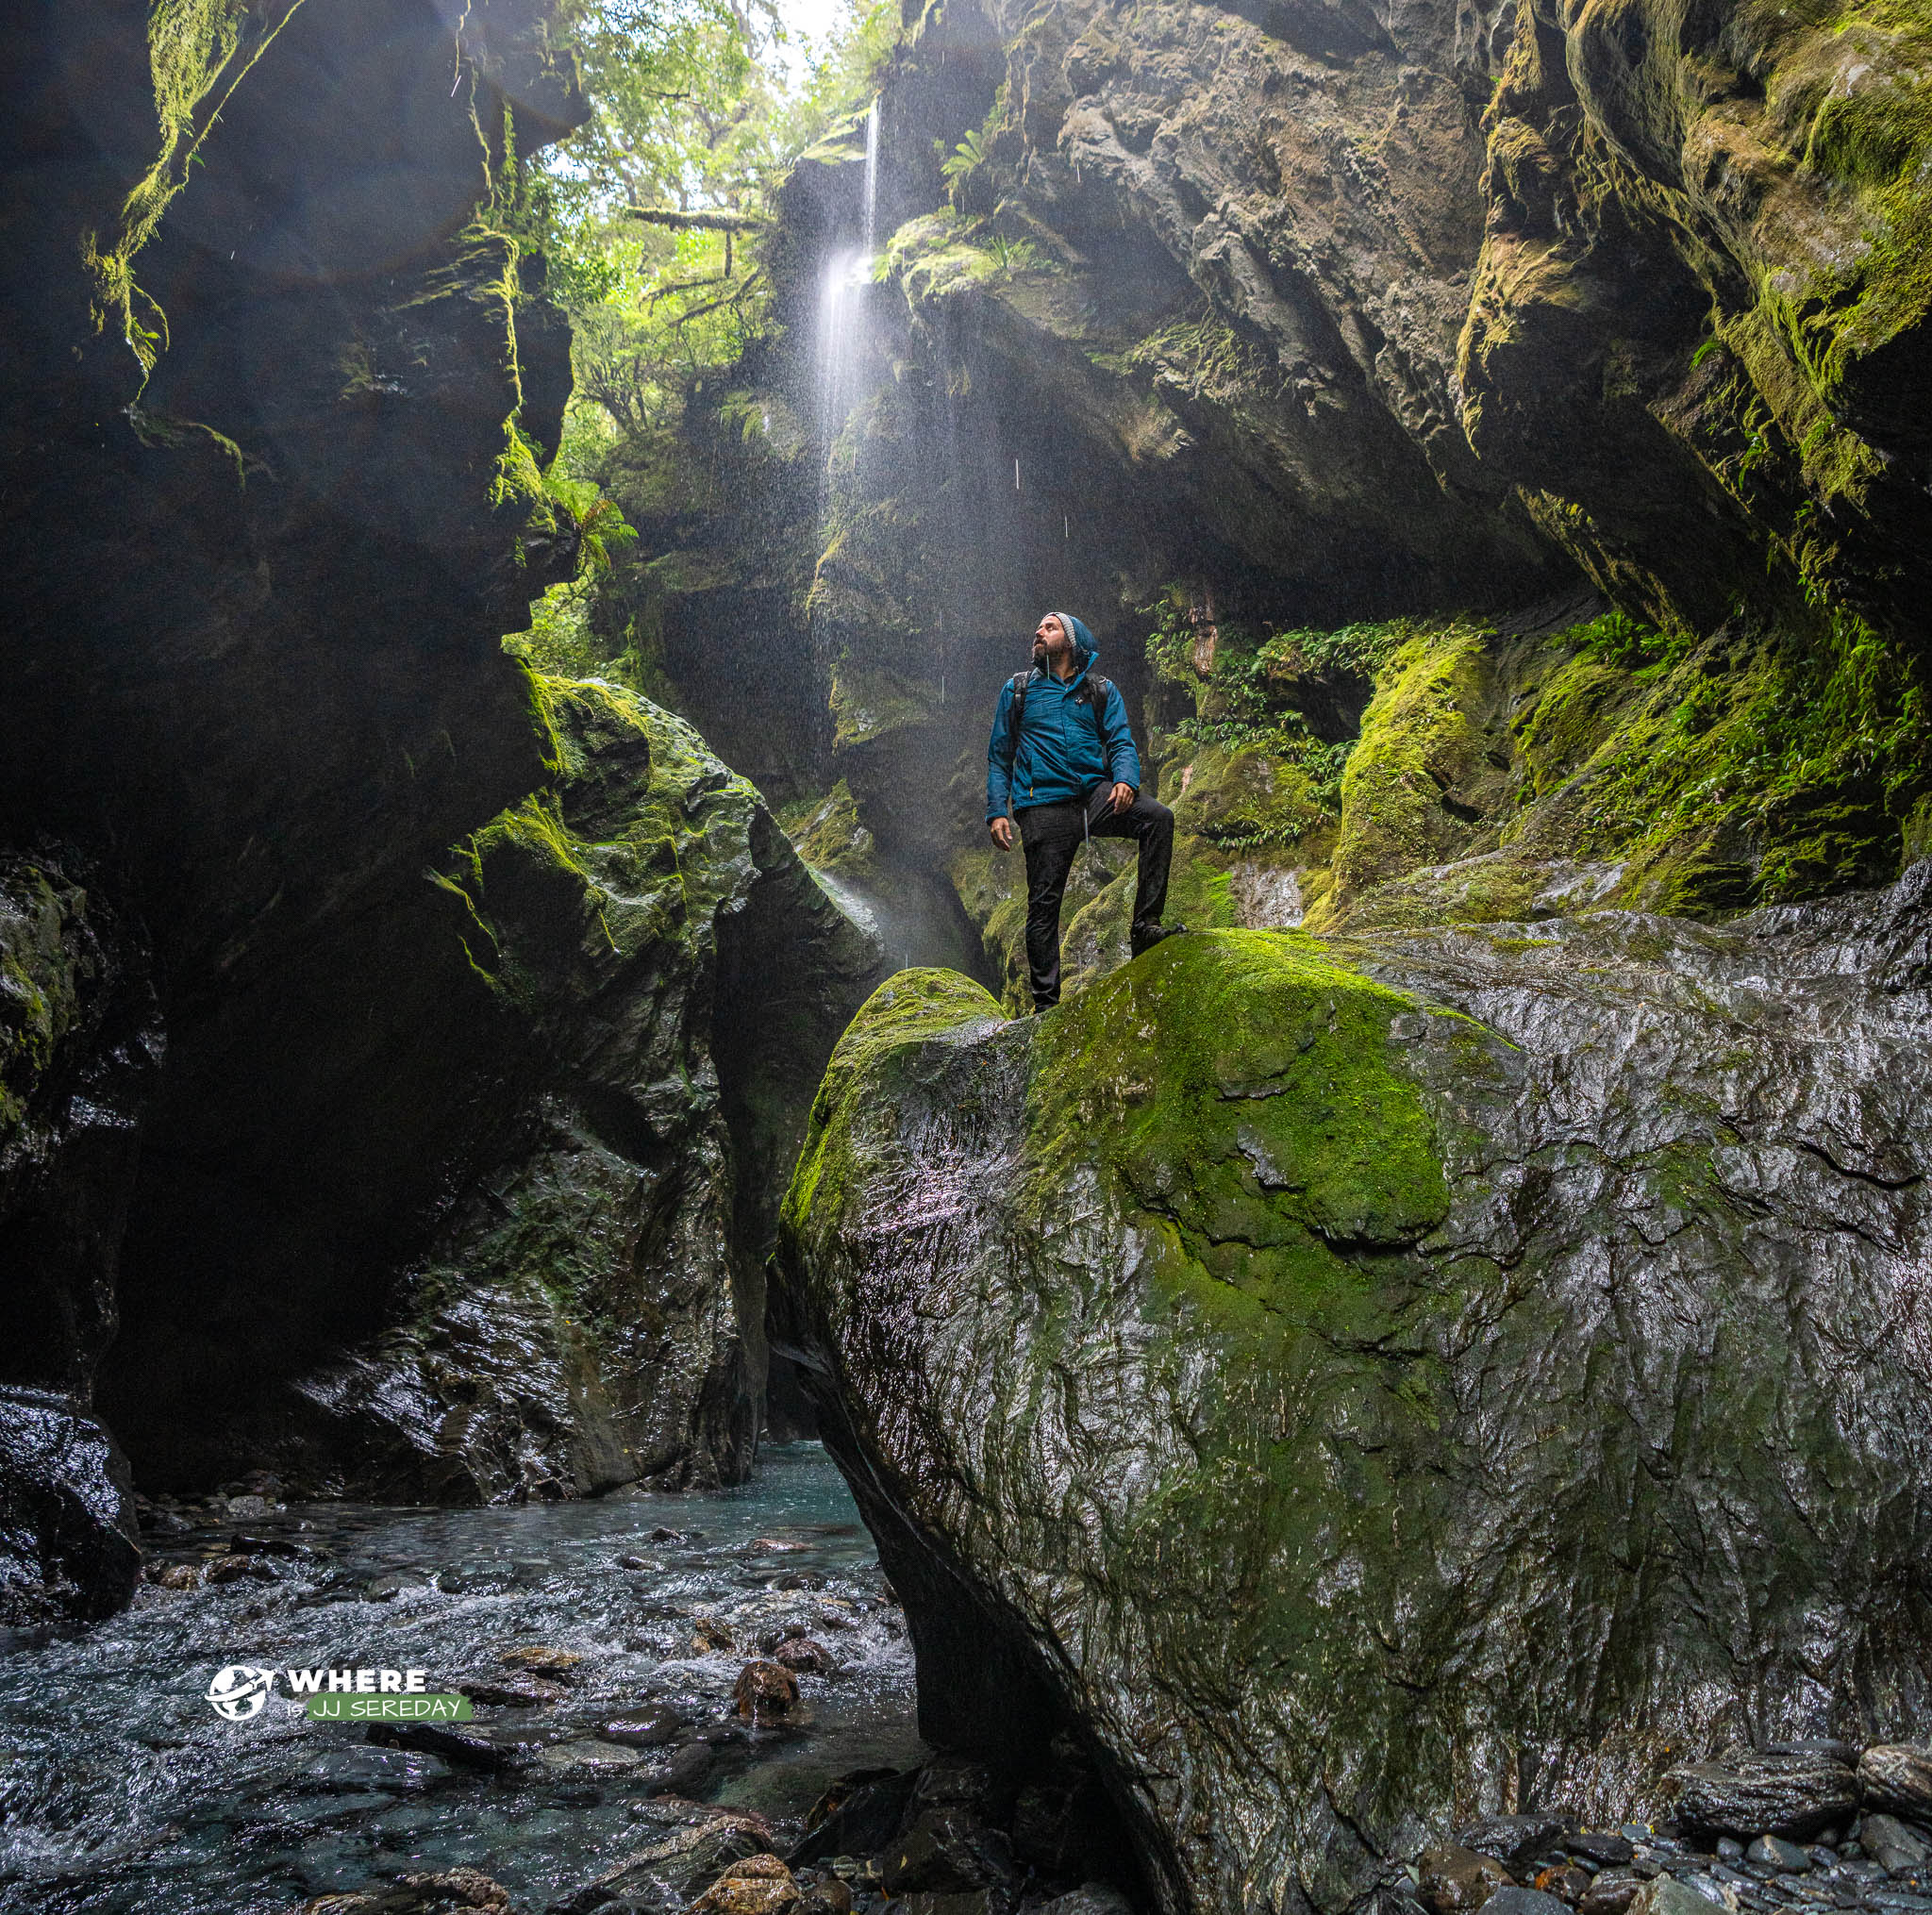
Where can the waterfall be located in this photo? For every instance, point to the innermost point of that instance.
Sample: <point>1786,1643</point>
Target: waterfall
<point>872,179</point>
<point>843,344</point>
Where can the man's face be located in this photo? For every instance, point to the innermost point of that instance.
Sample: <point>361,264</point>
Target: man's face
<point>1050,638</point>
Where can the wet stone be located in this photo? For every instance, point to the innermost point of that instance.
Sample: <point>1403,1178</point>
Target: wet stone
<point>386,1589</point>
<point>236,1569</point>
<point>683,1772</point>
<point>1892,1845</point>
<point>1897,1776</point>
<point>765,1691</point>
<point>645,1728</point>
<point>540,1659</point>
<point>512,1690</point>
<point>1729,1849</point>
<point>1665,1895</point>
<point>589,1757</point>
<point>947,1851</point>
<point>803,1657</point>
<point>1774,1852</point>
<point>178,1576</point>
<point>1514,1839</point>
<point>468,1745</point>
<point>1601,1846</point>
<point>1745,1794</point>
<point>1458,1881</point>
<point>760,1885</point>
<point>421,1895</point>
<point>1090,1898</point>
<point>1564,1880</point>
<point>1611,1893</point>
<point>1524,1902</point>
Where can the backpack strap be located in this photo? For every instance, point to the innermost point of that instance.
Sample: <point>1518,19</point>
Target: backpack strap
<point>1095,689</point>
<point>1015,711</point>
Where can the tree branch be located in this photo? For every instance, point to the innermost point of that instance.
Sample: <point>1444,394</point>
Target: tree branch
<point>719,221</point>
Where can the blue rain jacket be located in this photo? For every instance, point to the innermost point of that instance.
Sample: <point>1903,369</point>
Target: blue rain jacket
<point>1059,757</point>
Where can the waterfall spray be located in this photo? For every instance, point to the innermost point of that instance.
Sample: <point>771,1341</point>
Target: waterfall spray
<point>844,336</point>
<point>872,179</point>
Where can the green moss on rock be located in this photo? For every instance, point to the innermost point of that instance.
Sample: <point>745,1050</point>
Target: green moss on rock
<point>1421,752</point>
<point>1238,1084</point>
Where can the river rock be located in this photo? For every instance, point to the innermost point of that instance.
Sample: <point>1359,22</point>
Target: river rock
<point>710,1636</point>
<point>1774,1852</point>
<point>387,1587</point>
<point>1221,1190</point>
<point>1520,1901</point>
<point>1665,1895</point>
<point>760,1885</point>
<point>644,1729</point>
<point>1514,1839</point>
<point>590,1756</point>
<point>177,1576</point>
<point>1603,1846</point>
<point>1611,1893</point>
<point>765,1693</point>
<point>683,1772</point>
<point>947,1851</point>
<point>803,1657</point>
<point>1748,1795</point>
<point>540,1659</point>
<point>1458,1881</point>
<point>421,1895</point>
<point>667,1874</point>
<point>511,1691</point>
<point>858,1815</point>
<point>824,1892</point>
<point>1892,1845</point>
<point>489,1746</point>
<point>1898,1776</point>
<point>1090,1898</point>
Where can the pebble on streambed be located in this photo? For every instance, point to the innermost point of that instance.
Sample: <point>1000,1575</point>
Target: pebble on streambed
<point>1798,1826</point>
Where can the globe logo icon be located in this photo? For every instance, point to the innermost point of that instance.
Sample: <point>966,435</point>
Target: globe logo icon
<point>238,1691</point>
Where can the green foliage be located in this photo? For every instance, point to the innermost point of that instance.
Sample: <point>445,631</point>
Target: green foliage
<point>1359,650</point>
<point>1815,753</point>
<point>1242,701</point>
<point>694,113</point>
<point>970,160</point>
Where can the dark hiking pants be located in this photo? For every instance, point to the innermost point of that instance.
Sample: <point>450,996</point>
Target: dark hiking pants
<point>1052,835</point>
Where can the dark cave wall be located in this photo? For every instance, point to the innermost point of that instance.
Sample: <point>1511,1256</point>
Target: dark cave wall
<point>267,528</point>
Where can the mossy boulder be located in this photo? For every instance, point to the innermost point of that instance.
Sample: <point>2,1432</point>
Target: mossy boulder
<point>1421,774</point>
<point>1340,1381</point>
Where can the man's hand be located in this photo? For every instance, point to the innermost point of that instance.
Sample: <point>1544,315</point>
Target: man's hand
<point>1002,829</point>
<point>1124,796</point>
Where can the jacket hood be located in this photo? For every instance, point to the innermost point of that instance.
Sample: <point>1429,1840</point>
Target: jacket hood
<point>1086,652</point>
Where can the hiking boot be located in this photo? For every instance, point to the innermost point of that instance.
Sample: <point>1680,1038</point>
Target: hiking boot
<point>1144,937</point>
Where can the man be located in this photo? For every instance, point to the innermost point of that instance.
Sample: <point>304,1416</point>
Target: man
<point>1062,760</point>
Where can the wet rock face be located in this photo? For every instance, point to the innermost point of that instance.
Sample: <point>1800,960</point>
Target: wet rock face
<point>261,375</point>
<point>80,1049</point>
<point>588,1310</point>
<point>1350,1381</point>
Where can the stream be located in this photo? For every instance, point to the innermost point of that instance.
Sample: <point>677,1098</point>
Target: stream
<point>121,1788</point>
